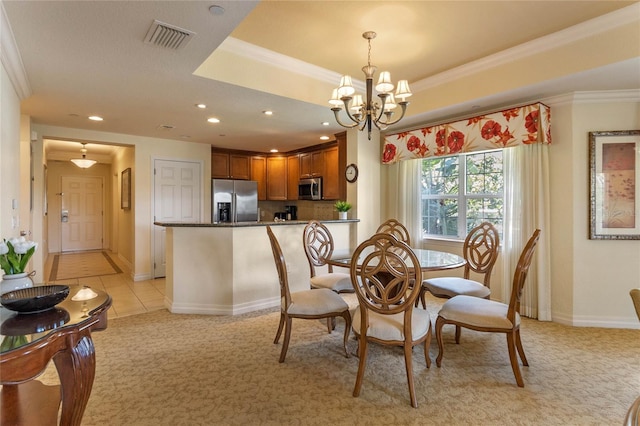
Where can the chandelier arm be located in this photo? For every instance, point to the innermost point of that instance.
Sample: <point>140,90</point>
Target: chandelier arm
<point>403,105</point>
<point>346,109</point>
<point>348,126</point>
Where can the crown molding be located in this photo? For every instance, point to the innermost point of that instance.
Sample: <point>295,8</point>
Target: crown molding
<point>590,97</point>
<point>11,59</point>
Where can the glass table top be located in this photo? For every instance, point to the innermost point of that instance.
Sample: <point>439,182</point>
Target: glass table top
<point>20,329</point>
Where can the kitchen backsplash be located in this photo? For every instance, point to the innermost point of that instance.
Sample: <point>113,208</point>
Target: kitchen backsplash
<point>307,210</point>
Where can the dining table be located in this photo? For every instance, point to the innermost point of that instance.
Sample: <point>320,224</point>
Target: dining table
<point>430,260</point>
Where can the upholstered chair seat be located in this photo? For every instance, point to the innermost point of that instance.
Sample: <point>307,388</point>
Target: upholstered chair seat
<point>320,301</point>
<point>336,281</point>
<point>478,312</point>
<point>448,287</point>
<point>391,327</point>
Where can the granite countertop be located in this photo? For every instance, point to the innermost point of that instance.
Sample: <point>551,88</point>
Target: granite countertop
<point>246,224</point>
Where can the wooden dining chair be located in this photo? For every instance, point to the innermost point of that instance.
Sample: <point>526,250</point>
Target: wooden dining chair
<point>395,228</point>
<point>382,270</point>
<point>480,250</point>
<point>635,297</point>
<point>318,246</point>
<point>490,316</point>
<point>306,304</point>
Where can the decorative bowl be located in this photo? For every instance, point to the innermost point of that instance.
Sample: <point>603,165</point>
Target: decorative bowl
<point>34,299</point>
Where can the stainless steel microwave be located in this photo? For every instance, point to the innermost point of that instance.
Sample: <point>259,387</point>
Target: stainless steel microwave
<point>310,189</point>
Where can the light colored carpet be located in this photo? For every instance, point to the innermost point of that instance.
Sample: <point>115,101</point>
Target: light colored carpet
<point>164,369</point>
<point>80,265</point>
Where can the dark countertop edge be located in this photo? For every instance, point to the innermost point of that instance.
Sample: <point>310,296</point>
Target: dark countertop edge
<point>246,224</point>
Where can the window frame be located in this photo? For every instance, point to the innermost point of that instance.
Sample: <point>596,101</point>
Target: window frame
<point>461,198</point>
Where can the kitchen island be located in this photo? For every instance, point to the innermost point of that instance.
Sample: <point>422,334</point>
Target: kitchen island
<point>228,268</point>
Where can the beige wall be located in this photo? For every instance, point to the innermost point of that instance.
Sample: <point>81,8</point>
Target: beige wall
<point>10,167</point>
<point>591,279</point>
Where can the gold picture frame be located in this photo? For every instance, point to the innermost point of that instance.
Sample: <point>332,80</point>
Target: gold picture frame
<point>614,160</point>
<point>125,189</point>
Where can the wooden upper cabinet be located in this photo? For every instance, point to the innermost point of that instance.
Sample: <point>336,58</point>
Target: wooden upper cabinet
<point>276,178</point>
<point>219,165</point>
<point>331,175</point>
<point>311,164</point>
<point>230,166</point>
<point>239,167</point>
<point>293,174</point>
<point>259,174</point>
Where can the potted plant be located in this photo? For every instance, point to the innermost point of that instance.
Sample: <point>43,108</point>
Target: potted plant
<point>342,207</point>
<point>14,256</point>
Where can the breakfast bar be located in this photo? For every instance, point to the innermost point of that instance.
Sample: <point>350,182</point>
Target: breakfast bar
<point>228,268</point>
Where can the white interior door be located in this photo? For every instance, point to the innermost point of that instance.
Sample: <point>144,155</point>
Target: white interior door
<point>81,216</point>
<point>177,191</point>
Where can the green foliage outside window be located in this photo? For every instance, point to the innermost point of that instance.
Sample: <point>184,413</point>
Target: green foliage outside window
<point>459,192</point>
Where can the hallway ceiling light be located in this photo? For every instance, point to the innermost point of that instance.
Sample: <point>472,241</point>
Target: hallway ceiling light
<point>369,112</point>
<point>84,162</point>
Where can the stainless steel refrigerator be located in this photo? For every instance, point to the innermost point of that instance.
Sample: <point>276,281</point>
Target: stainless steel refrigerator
<point>234,200</point>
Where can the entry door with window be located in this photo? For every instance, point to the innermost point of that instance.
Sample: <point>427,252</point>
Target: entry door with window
<point>81,213</point>
<point>177,198</point>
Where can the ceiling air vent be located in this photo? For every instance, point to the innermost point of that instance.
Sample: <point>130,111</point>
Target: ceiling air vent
<point>168,36</point>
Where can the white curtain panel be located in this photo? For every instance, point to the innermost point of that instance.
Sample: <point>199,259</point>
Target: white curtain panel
<point>405,206</point>
<point>526,172</point>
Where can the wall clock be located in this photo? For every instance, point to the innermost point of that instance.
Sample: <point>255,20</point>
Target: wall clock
<point>351,173</point>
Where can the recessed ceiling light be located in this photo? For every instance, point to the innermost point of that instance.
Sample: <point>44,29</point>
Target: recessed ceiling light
<point>216,10</point>
<point>201,106</point>
<point>324,138</point>
<point>325,123</point>
<point>267,112</point>
<point>213,120</point>
<point>95,118</point>
<point>273,150</point>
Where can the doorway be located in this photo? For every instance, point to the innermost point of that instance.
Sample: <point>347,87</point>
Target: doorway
<point>177,190</point>
<point>81,214</point>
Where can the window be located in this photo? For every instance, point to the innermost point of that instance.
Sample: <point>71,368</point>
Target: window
<point>460,192</point>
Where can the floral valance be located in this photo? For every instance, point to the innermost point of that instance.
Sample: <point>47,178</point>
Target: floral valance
<point>516,126</point>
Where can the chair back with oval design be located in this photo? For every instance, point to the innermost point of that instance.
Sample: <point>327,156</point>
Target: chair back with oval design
<point>318,245</point>
<point>481,247</point>
<point>383,270</point>
<point>396,229</point>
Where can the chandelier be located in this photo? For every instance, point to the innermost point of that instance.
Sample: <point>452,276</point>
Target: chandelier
<point>84,162</point>
<point>370,113</point>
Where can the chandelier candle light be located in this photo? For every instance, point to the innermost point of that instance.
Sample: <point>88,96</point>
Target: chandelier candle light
<point>369,113</point>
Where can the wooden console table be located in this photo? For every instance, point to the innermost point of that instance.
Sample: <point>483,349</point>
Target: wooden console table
<point>62,334</point>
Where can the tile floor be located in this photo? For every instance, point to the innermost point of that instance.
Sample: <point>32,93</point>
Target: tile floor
<point>129,297</point>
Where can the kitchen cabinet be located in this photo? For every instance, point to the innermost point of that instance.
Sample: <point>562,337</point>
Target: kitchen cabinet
<point>276,178</point>
<point>293,174</point>
<point>239,167</point>
<point>259,174</point>
<point>230,166</point>
<point>331,175</point>
<point>220,165</point>
<point>311,164</point>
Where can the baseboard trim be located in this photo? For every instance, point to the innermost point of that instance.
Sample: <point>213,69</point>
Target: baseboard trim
<point>215,309</point>
<point>602,322</point>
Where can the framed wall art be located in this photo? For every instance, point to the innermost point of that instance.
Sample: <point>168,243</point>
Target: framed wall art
<point>125,189</point>
<point>614,159</point>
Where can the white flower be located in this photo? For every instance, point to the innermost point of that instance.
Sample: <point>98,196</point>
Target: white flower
<point>15,254</point>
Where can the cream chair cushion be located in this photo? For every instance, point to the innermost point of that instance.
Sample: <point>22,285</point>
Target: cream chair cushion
<point>390,327</point>
<point>453,286</point>
<point>336,281</point>
<point>316,302</point>
<point>477,312</point>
